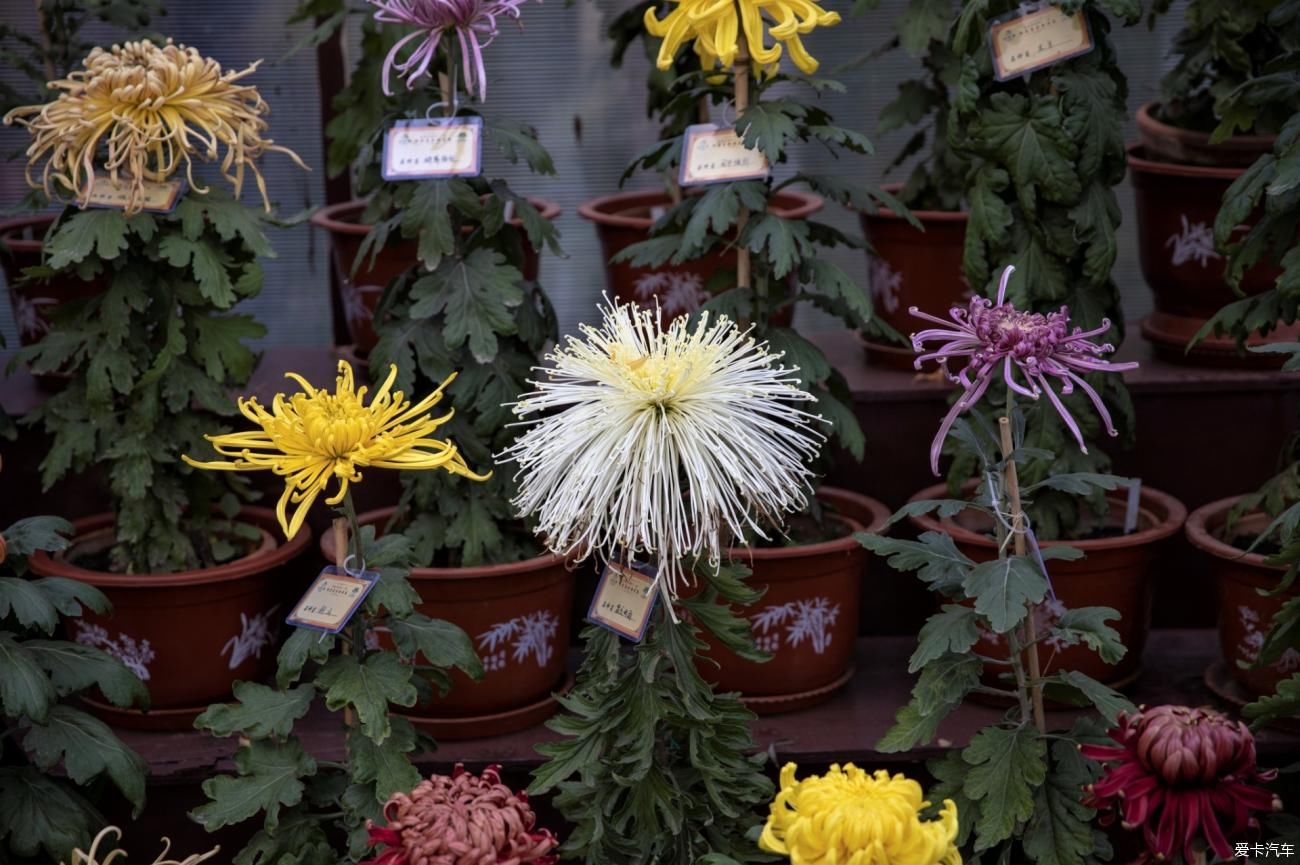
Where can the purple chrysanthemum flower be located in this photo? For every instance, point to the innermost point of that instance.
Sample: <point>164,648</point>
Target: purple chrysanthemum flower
<point>997,335</point>
<point>473,22</point>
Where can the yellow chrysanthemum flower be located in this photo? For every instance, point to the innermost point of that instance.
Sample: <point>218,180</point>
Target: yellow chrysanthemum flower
<point>848,817</point>
<point>311,437</point>
<point>714,25</point>
<point>150,107</point>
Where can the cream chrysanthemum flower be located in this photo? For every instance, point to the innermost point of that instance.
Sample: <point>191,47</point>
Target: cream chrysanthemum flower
<point>92,857</point>
<point>715,25</point>
<point>148,108</point>
<point>671,442</point>
<point>312,437</point>
<point>848,817</point>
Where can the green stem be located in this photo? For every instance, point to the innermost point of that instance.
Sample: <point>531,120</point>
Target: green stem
<point>359,624</point>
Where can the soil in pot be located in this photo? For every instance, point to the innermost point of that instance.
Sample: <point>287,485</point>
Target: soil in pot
<point>1117,571</point>
<point>518,616</point>
<point>808,617</point>
<point>361,291</point>
<point>1168,143</point>
<point>190,635</point>
<point>624,219</point>
<point>1244,614</point>
<point>907,267</point>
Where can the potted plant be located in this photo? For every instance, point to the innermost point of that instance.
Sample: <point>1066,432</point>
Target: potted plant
<point>49,783</point>
<point>910,266</point>
<point>49,54</point>
<point>1193,145</point>
<point>310,809</point>
<point>470,302</point>
<point>380,234</point>
<point>195,578</point>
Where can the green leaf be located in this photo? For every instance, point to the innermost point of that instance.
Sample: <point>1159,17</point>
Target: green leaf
<point>784,242</point>
<point>713,214</point>
<point>386,765</point>
<point>945,681</point>
<point>26,536</point>
<point>269,777</point>
<point>102,231</point>
<point>232,219</point>
<point>1282,703</point>
<point>765,126</point>
<point>218,345</point>
<point>1109,702</point>
<point>368,688</point>
<point>73,668</point>
<point>25,690</point>
<point>27,604</point>
<point>261,713</point>
<point>476,295</point>
<point>303,645</point>
<point>1060,831</point>
<point>39,813</point>
<point>924,21</point>
<point>952,630</point>
<point>442,644</point>
<point>87,748</point>
<point>1006,766</point>
<point>211,267</point>
<point>1088,625</point>
<point>1003,588</point>
<point>299,840</point>
<point>516,140</point>
<point>933,556</point>
<point>70,597</point>
<point>911,728</point>
<point>426,218</point>
<point>1079,483</point>
<point>1029,140</point>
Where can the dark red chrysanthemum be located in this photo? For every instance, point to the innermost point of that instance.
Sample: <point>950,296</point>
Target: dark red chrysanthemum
<point>459,819</point>
<point>1181,775</point>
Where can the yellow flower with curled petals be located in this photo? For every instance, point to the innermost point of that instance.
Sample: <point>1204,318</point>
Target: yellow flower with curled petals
<point>314,436</point>
<point>850,817</point>
<point>714,26</point>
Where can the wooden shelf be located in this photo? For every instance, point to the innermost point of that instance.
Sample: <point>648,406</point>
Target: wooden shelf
<point>844,728</point>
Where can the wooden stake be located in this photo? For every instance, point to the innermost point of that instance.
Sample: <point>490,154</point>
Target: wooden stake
<point>1018,535</point>
<point>340,528</point>
<point>740,75</point>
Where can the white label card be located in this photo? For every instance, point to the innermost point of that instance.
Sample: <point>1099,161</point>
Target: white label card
<point>332,600</point>
<point>624,600</point>
<point>717,155</point>
<point>1036,37</point>
<point>155,198</point>
<point>432,148</point>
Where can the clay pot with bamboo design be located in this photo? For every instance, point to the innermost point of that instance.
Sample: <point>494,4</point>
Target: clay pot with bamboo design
<point>1177,203</point>
<point>360,290</point>
<point>189,635</point>
<point>1247,587</point>
<point>807,619</point>
<point>679,289</point>
<point>519,617</point>
<point>910,267</point>
<point>1117,571</point>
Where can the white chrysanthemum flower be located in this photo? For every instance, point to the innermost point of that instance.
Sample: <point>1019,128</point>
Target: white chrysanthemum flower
<point>669,442</point>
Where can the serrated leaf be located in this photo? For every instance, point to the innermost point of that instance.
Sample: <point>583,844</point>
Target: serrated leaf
<point>517,140</point>
<point>261,713</point>
<point>441,643</point>
<point>1028,139</point>
<point>1109,702</point>
<point>954,629</point>
<point>783,242</point>
<point>210,267</point>
<point>1284,702</point>
<point>26,536</point>
<point>933,556</point>
<point>944,681</point>
<point>299,840</point>
<point>426,218</point>
<point>1060,831</point>
<point>368,688</point>
<point>29,606</point>
<point>25,690</point>
<point>1088,625</point>
<point>765,126</point>
<point>74,668</point>
<point>102,231</point>
<point>70,597</point>
<point>475,295</point>
<point>218,345</point>
<point>38,813</point>
<point>86,748</point>
<point>923,21</point>
<point>1079,483</point>
<point>269,777</point>
<point>910,729</point>
<point>1006,766</point>
<point>1003,589</point>
<point>386,765</point>
<point>303,645</point>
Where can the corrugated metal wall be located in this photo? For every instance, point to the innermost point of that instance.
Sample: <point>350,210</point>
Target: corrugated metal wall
<point>552,74</point>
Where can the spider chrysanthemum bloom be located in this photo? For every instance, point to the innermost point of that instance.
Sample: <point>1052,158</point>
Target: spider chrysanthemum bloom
<point>472,23</point>
<point>714,26</point>
<point>850,817</point>
<point>461,818</point>
<point>139,110</point>
<point>315,436</point>
<point>670,441</point>
<point>998,337</point>
<point>112,835</point>
<point>1184,777</point>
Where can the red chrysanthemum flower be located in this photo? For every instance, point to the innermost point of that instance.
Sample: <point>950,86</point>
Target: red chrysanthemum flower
<point>1181,775</point>
<point>461,819</point>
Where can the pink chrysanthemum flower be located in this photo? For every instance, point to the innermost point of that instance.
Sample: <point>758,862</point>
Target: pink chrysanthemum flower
<point>1183,776</point>
<point>472,22</point>
<point>998,336</point>
<point>461,818</point>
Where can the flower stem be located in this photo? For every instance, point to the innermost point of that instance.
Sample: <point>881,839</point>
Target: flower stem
<point>740,80</point>
<point>1012,485</point>
<point>358,641</point>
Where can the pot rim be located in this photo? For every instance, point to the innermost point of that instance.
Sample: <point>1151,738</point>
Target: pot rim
<point>330,216</point>
<point>251,565</point>
<point>596,210</point>
<point>879,516</point>
<point>922,215</point>
<point>478,572</point>
<point>22,244</point>
<point>1175,515</point>
<point>1139,164</point>
<point>1199,535</point>
<point>1146,119</point>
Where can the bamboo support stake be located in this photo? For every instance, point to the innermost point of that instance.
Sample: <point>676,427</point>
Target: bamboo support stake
<point>740,75</point>
<point>340,529</point>
<point>1018,536</point>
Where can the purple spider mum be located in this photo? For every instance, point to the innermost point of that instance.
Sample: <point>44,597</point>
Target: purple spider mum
<point>997,335</point>
<point>474,23</point>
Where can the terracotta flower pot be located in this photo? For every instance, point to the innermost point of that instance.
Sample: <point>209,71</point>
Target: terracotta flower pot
<point>1116,572</point>
<point>21,244</point>
<point>1174,144</point>
<point>1177,204</point>
<point>188,635</point>
<point>907,267</point>
<point>808,617</point>
<point>1244,614</point>
<point>624,219</point>
<point>518,616</point>
<point>361,291</point>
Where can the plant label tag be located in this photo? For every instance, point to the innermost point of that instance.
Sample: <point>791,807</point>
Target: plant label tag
<point>155,197</point>
<point>718,155</point>
<point>624,600</point>
<point>1035,37</point>
<point>430,148</point>
<point>332,600</point>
